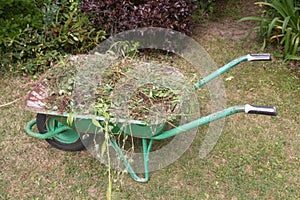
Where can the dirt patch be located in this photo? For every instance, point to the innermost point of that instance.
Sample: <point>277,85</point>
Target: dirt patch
<point>225,24</point>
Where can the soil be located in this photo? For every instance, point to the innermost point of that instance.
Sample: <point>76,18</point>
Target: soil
<point>226,25</point>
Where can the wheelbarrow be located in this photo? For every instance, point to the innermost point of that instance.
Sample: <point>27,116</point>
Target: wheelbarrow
<point>56,128</point>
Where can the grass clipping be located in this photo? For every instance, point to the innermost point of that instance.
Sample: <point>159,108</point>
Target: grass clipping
<point>114,88</point>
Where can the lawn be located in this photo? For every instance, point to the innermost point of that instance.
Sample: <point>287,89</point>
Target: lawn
<point>256,157</point>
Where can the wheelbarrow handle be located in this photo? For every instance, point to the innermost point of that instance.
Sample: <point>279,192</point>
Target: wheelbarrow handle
<point>259,57</point>
<point>233,63</point>
<point>250,109</point>
<point>262,110</point>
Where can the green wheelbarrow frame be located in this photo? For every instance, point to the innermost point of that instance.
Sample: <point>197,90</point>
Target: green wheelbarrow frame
<point>143,130</point>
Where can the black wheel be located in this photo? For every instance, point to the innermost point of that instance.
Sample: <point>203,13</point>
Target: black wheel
<point>68,140</point>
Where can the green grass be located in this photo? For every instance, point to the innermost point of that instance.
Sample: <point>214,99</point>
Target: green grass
<point>256,157</point>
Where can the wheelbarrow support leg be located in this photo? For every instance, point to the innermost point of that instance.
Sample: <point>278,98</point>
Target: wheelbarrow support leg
<point>146,152</point>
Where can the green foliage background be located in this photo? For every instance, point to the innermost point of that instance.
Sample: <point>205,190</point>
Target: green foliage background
<point>36,33</point>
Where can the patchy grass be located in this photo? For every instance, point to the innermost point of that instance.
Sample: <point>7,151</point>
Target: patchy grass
<point>256,157</point>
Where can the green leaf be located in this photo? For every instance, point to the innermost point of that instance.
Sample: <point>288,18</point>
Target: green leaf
<point>106,115</point>
<point>80,22</point>
<point>285,23</point>
<point>292,57</point>
<point>271,26</point>
<point>295,44</point>
<point>96,122</point>
<point>252,18</point>
<point>70,119</point>
<point>264,44</point>
<point>287,42</point>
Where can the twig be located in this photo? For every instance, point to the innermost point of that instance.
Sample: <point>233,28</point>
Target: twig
<point>9,103</point>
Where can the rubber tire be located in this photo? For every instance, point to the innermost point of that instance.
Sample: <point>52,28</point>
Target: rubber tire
<point>41,120</point>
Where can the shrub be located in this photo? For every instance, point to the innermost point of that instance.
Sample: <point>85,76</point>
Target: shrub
<point>59,28</point>
<point>116,16</point>
<point>281,23</point>
<point>16,15</point>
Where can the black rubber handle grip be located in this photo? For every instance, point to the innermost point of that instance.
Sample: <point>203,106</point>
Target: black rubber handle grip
<point>261,110</point>
<point>259,57</point>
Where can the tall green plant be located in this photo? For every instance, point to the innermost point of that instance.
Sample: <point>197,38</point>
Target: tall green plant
<point>282,25</point>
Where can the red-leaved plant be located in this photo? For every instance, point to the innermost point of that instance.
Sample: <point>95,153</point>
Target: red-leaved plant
<point>115,16</point>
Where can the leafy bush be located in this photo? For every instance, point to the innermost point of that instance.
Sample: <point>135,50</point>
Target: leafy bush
<point>67,28</point>
<point>116,16</point>
<point>204,8</point>
<point>57,28</point>
<point>281,23</point>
